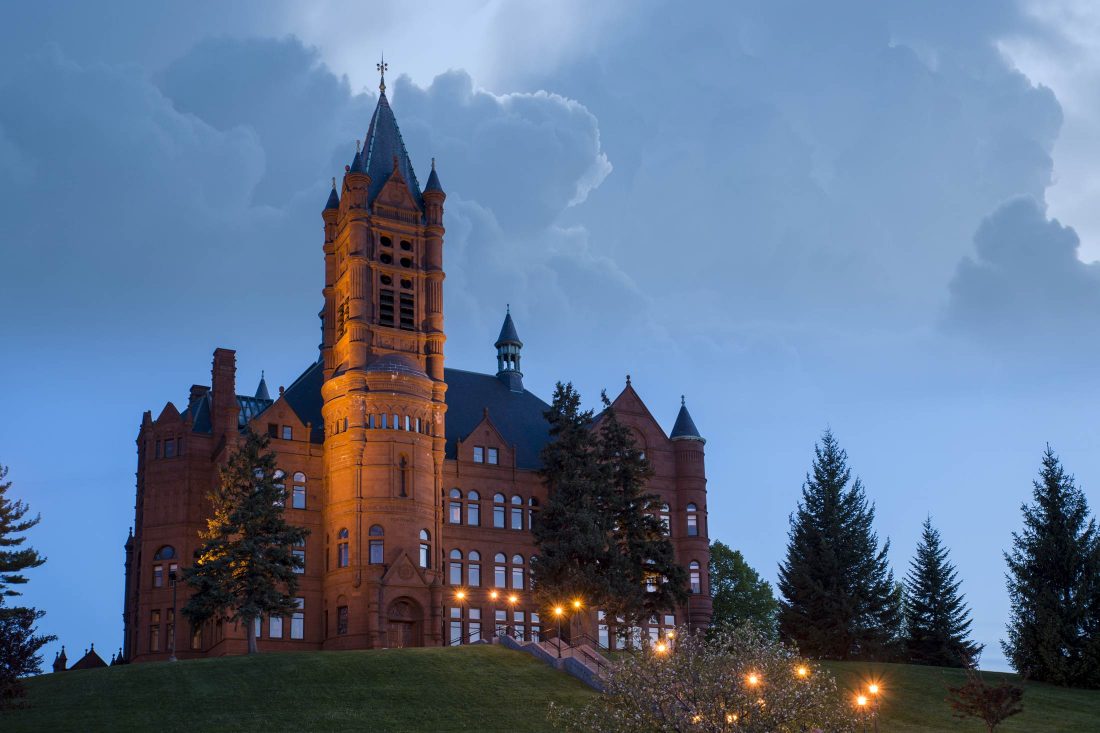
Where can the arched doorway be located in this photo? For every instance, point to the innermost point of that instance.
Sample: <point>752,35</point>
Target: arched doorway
<point>403,624</point>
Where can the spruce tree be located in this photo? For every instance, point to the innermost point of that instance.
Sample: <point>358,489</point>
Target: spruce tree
<point>245,567</point>
<point>1053,578</point>
<point>644,578</point>
<point>937,621</point>
<point>740,595</point>
<point>839,596</point>
<point>19,641</point>
<point>572,532</point>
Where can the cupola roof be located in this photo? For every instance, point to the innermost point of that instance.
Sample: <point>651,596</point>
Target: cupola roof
<point>684,428</point>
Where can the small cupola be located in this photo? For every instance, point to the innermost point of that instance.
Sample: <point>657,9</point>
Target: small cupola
<point>685,429</point>
<point>508,347</point>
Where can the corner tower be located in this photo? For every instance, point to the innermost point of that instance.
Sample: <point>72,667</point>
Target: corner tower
<point>691,490</point>
<point>383,396</point>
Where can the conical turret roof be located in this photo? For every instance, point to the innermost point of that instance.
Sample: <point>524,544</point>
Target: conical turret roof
<point>508,334</point>
<point>433,184</point>
<point>685,426</point>
<point>333,199</point>
<point>261,389</point>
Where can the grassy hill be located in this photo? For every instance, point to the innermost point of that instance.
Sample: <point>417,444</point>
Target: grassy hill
<point>472,688</point>
<point>478,688</point>
<point>914,699</point>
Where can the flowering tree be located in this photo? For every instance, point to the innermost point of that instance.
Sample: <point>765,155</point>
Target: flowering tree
<point>734,680</point>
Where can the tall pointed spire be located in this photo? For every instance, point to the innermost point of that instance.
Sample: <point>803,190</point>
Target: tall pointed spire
<point>382,67</point>
<point>333,198</point>
<point>508,347</point>
<point>384,144</point>
<point>433,181</point>
<point>685,429</point>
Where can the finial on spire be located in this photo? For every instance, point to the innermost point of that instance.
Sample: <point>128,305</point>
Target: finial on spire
<point>683,402</point>
<point>382,67</point>
<point>507,306</point>
<point>433,162</point>
<point>627,380</point>
<point>357,145</point>
<point>334,183</point>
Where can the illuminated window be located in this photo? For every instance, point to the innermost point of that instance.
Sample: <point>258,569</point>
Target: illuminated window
<point>343,557</point>
<point>377,546</point>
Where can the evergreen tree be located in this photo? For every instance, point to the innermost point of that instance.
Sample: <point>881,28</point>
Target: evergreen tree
<point>19,643</point>
<point>740,595</point>
<point>1053,578</point>
<point>573,529</point>
<point>839,596</point>
<point>644,578</point>
<point>937,621</point>
<point>245,567</point>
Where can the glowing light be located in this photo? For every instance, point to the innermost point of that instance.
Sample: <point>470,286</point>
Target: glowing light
<point>861,700</point>
<point>513,598</point>
<point>731,717</point>
<point>494,595</point>
<point>753,679</point>
<point>671,634</point>
<point>696,718</point>
<point>576,604</point>
<point>660,647</point>
<point>460,595</point>
<point>873,689</point>
<point>802,671</point>
<point>558,610</point>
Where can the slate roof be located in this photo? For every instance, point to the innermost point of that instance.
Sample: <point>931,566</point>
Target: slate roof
<point>685,426</point>
<point>519,416</point>
<point>508,334</point>
<point>382,144</point>
<point>333,199</point>
<point>304,397</point>
<point>261,389</point>
<point>433,181</point>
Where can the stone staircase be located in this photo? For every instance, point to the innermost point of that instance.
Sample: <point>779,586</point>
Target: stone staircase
<point>581,660</point>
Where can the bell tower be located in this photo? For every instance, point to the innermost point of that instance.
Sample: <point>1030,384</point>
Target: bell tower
<point>383,395</point>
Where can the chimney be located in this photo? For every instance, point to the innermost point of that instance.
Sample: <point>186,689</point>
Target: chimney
<point>223,380</point>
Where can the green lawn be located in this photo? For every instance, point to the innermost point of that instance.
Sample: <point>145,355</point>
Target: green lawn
<point>473,688</point>
<point>914,699</point>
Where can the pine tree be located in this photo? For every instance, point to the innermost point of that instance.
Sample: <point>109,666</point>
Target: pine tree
<point>839,596</point>
<point>572,531</point>
<point>937,621</point>
<point>19,642</point>
<point>245,567</point>
<point>644,578</point>
<point>740,595</point>
<point>1053,578</point>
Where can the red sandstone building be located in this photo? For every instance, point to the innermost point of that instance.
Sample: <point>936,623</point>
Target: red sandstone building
<point>414,480</point>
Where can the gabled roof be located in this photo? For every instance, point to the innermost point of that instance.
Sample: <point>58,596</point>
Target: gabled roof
<point>685,426</point>
<point>519,416</point>
<point>304,397</point>
<point>382,145</point>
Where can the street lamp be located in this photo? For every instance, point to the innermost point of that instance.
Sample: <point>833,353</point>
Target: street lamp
<point>660,647</point>
<point>513,599</point>
<point>861,704</point>
<point>753,679</point>
<point>172,636</point>
<point>558,612</point>
<point>460,598</point>
<point>802,671</point>
<point>873,688</point>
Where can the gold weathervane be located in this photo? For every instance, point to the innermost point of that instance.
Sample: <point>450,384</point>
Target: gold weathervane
<point>382,67</point>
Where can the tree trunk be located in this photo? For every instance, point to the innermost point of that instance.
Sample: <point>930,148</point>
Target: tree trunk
<point>250,632</point>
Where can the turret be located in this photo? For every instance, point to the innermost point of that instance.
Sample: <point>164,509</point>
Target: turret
<point>261,389</point>
<point>691,531</point>
<point>60,661</point>
<point>508,347</point>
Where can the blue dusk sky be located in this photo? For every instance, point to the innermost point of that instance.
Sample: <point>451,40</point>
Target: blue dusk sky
<point>881,218</point>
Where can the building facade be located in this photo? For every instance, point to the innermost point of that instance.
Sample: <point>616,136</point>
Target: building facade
<point>418,483</point>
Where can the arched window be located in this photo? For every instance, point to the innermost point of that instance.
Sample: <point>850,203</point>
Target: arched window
<point>473,570</point>
<point>692,520</point>
<point>498,511</point>
<point>454,513</point>
<point>425,549</point>
<point>517,572</point>
<point>695,576</point>
<point>377,544</point>
<point>473,509</point>
<point>343,557</point>
<point>517,512</point>
<point>665,520</point>
<point>456,567</point>
<point>166,552</point>
<point>298,498</point>
<point>533,505</point>
<point>500,572</point>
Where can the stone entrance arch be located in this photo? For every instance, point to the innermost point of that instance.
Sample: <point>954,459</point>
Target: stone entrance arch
<point>404,624</point>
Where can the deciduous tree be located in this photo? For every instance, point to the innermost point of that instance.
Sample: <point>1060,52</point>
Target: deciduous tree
<point>740,595</point>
